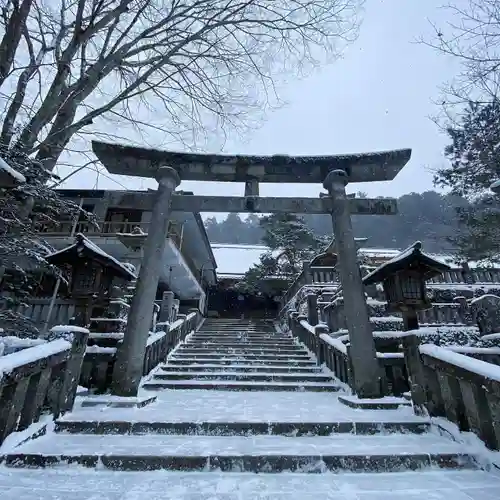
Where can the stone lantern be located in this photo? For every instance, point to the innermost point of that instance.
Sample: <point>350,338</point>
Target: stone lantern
<point>403,279</point>
<point>92,274</point>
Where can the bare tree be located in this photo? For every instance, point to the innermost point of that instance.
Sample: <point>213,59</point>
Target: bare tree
<point>472,37</point>
<point>14,16</point>
<point>175,66</point>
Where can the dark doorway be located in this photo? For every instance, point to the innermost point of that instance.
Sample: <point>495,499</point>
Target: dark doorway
<point>230,303</point>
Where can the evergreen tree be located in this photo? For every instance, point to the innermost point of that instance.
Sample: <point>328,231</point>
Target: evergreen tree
<point>290,243</point>
<point>24,211</point>
<point>474,155</point>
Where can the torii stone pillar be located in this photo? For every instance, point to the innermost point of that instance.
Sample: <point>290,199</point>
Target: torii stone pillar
<point>127,372</point>
<point>363,353</point>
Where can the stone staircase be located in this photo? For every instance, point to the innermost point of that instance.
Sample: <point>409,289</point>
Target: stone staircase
<point>241,356</point>
<point>235,399</point>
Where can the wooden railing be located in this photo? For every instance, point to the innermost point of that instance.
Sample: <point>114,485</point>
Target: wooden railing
<point>310,276</point>
<point>99,360</point>
<point>444,314</point>
<point>40,379</point>
<point>448,384</point>
<point>36,310</point>
<point>456,276</point>
<point>105,227</point>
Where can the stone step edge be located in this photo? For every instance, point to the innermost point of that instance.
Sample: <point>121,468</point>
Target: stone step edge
<point>240,368</point>
<point>242,350</point>
<point>239,428</point>
<point>245,377</point>
<point>277,357</point>
<point>244,362</point>
<point>240,386</point>
<point>250,463</point>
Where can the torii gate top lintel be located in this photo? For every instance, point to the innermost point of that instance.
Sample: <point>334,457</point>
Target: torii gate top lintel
<point>144,162</point>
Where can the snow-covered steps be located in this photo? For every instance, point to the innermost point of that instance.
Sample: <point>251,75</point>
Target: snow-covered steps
<point>211,350</point>
<point>237,337</point>
<point>179,354</point>
<point>222,368</point>
<point>262,407</point>
<point>255,377</point>
<point>237,385</point>
<point>78,483</point>
<point>239,428</point>
<point>242,343</point>
<point>337,452</point>
<point>235,360</point>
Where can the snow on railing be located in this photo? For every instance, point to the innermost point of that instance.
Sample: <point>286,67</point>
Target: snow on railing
<point>40,378</point>
<point>446,383</point>
<point>99,362</point>
<point>472,365</point>
<point>334,353</point>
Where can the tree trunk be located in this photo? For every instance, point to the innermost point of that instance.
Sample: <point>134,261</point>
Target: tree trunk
<point>12,37</point>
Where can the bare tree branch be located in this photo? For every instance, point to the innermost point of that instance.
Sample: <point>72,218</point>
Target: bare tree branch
<point>472,37</point>
<point>14,28</point>
<point>189,65</point>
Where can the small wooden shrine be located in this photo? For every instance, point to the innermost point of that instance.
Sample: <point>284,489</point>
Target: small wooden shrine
<point>92,275</point>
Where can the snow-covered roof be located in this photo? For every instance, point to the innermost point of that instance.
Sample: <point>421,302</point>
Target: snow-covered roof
<point>124,269</point>
<point>8,176</point>
<point>411,257</point>
<point>235,260</point>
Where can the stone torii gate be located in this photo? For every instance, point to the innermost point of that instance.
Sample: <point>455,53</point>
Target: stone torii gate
<point>334,172</point>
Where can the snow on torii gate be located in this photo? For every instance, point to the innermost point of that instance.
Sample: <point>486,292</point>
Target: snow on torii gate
<point>334,172</point>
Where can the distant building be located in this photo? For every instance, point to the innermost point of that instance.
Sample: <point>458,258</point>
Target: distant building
<point>122,223</point>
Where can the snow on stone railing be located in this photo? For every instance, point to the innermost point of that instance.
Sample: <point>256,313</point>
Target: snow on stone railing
<point>38,378</point>
<point>335,343</point>
<point>452,357</point>
<point>328,350</point>
<point>100,358</point>
<point>161,343</point>
<point>449,384</point>
<point>10,344</point>
<point>334,352</point>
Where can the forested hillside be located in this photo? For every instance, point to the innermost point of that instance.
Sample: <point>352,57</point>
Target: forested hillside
<point>429,217</point>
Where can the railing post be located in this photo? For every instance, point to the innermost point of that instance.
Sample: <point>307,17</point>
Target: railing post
<point>312,309</point>
<point>320,351</point>
<point>306,273</point>
<point>416,374</point>
<point>72,370</point>
<point>301,332</point>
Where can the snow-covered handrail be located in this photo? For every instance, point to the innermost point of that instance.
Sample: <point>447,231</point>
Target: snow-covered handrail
<point>47,373</point>
<point>307,326</point>
<point>476,366</point>
<point>328,350</point>
<point>161,343</point>
<point>449,384</point>
<point>335,343</point>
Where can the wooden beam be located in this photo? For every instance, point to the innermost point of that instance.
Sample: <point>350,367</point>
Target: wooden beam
<point>238,204</point>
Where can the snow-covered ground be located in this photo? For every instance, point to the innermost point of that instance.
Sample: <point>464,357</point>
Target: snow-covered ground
<point>227,450</point>
<point>221,406</point>
<point>75,483</point>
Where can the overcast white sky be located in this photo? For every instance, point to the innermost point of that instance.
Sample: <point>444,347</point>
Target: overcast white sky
<point>379,96</point>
